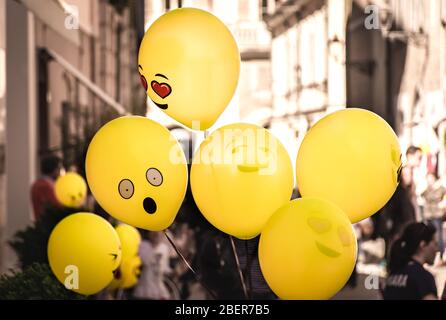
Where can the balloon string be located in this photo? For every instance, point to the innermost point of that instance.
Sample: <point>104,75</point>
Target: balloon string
<point>120,294</point>
<point>245,291</point>
<point>248,267</point>
<point>189,266</point>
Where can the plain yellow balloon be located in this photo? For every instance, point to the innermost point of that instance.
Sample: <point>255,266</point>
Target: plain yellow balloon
<point>351,157</point>
<point>307,250</point>
<point>189,65</point>
<point>137,172</point>
<point>71,189</point>
<point>240,175</point>
<point>129,272</point>
<point>83,251</point>
<point>130,240</point>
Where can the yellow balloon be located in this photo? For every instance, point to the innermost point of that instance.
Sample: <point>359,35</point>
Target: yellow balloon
<point>189,65</point>
<point>130,240</point>
<point>71,189</point>
<point>240,175</point>
<point>129,272</point>
<point>351,157</point>
<point>307,250</point>
<point>83,252</point>
<point>130,266</point>
<point>137,172</point>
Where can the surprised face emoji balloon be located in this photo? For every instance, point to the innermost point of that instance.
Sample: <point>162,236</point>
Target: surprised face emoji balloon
<point>189,65</point>
<point>137,172</point>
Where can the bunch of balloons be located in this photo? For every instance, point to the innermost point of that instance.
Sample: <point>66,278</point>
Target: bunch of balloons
<point>347,168</point>
<point>241,176</point>
<point>189,65</point>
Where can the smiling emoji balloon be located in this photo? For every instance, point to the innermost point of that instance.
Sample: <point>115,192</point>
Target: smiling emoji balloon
<point>83,251</point>
<point>137,172</point>
<point>240,176</point>
<point>189,65</point>
<point>71,189</point>
<point>307,250</point>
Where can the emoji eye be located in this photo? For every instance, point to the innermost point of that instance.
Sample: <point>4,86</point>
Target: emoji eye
<point>344,236</point>
<point>126,188</point>
<point>80,194</point>
<point>319,225</point>
<point>154,177</point>
<point>143,82</point>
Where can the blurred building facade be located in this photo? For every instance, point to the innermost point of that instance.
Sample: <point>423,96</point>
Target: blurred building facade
<point>401,71</point>
<point>326,55</point>
<point>308,64</point>
<point>69,67</point>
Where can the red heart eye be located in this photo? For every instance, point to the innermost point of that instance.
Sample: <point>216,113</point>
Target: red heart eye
<point>143,82</point>
<point>161,89</point>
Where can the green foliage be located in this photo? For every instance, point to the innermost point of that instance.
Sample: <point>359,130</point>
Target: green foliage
<point>30,244</point>
<point>35,283</point>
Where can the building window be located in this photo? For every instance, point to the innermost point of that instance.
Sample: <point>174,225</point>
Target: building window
<point>443,13</point>
<point>244,10</point>
<point>409,15</point>
<point>264,4</point>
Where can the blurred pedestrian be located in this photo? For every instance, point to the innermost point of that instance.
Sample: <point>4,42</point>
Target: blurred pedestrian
<point>402,208</point>
<point>408,280</point>
<point>434,207</point>
<point>42,190</point>
<point>154,257</point>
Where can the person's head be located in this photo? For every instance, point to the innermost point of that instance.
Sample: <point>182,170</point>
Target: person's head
<point>414,156</point>
<point>153,236</point>
<point>51,166</point>
<point>431,178</point>
<point>417,241</point>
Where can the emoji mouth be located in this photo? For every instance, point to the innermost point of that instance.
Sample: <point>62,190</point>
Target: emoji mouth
<point>160,105</point>
<point>117,274</point>
<point>149,205</point>
<point>327,251</point>
<point>248,168</point>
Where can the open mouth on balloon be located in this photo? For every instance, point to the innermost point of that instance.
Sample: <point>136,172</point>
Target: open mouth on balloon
<point>160,105</point>
<point>149,205</point>
<point>117,274</point>
<point>327,251</point>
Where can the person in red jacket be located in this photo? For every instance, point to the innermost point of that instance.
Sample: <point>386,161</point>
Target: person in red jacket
<point>42,190</point>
